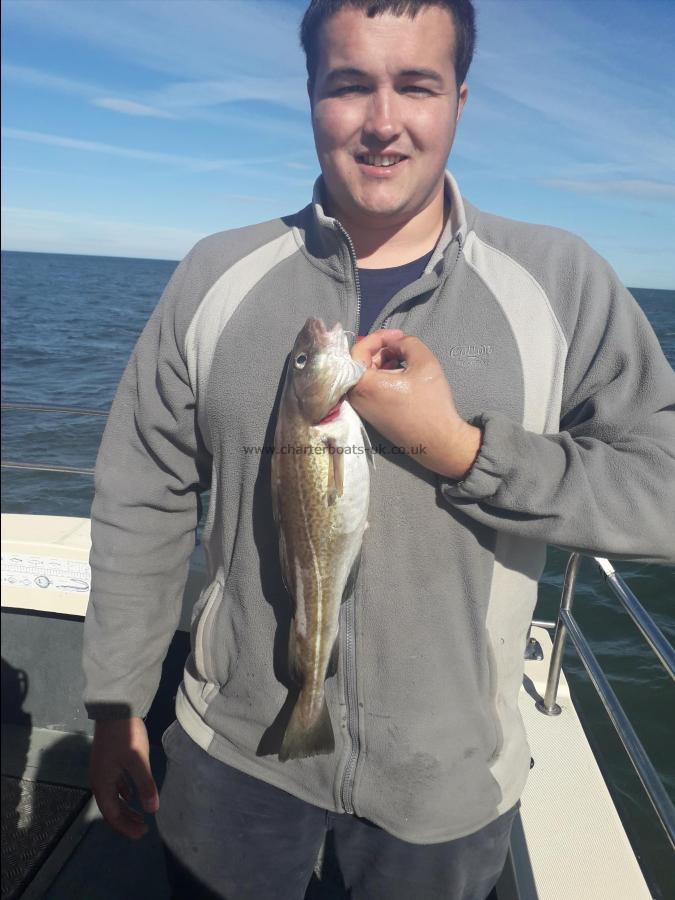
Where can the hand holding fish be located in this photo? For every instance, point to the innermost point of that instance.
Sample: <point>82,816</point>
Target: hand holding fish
<point>413,404</point>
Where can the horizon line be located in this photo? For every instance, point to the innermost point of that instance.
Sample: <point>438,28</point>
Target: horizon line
<point>165,259</point>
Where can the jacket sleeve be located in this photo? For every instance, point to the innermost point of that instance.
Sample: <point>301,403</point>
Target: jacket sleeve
<point>605,484</point>
<point>150,468</point>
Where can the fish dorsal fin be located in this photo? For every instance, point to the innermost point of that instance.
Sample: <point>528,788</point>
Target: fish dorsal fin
<point>275,485</point>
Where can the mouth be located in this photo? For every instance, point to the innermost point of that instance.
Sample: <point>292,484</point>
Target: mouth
<point>380,160</point>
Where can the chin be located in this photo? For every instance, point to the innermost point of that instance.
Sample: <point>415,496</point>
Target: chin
<point>390,208</point>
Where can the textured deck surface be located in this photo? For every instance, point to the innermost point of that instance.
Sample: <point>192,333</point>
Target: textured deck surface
<point>34,816</point>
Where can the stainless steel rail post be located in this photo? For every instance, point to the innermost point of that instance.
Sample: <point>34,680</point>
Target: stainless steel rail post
<point>548,705</point>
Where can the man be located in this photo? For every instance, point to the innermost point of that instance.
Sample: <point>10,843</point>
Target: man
<point>540,396</point>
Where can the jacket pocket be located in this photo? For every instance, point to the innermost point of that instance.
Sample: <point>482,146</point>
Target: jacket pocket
<point>493,700</point>
<point>169,736</point>
<point>203,629</point>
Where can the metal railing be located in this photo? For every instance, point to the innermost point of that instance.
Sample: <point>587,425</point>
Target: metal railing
<point>45,407</point>
<point>568,626</point>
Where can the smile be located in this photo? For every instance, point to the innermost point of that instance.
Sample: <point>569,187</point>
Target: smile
<point>384,161</point>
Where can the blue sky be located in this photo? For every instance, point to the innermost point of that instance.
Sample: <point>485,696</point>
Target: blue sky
<point>135,127</point>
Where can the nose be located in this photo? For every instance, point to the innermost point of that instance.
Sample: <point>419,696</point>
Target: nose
<point>383,120</point>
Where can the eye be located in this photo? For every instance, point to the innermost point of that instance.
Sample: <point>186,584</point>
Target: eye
<point>415,89</point>
<point>300,360</point>
<point>349,89</point>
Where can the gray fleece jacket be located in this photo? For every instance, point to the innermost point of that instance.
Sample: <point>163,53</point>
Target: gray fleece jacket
<point>543,347</point>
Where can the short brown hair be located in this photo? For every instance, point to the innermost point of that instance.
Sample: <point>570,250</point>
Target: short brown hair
<point>462,13</point>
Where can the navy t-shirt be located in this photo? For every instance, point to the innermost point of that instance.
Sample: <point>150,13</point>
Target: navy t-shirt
<point>378,286</point>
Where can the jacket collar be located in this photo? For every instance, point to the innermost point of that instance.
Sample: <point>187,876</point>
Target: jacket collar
<point>325,239</point>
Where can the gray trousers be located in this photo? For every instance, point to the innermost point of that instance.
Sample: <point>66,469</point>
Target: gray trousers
<point>228,835</point>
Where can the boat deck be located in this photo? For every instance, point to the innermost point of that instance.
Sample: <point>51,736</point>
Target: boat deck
<point>568,842</point>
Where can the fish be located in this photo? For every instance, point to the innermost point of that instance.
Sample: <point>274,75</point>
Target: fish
<point>320,494</point>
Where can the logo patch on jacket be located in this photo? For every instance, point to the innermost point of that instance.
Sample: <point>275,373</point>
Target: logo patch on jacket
<point>471,355</point>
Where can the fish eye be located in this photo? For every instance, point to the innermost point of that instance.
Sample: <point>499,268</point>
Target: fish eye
<point>300,360</point>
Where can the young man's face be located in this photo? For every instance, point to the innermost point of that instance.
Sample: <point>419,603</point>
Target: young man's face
<point>385,91</point>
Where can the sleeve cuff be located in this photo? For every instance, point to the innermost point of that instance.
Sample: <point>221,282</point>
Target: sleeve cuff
<point>485,476</point>
<point>100,710</point>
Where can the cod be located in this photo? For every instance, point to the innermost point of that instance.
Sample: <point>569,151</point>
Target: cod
<point>320,493</point>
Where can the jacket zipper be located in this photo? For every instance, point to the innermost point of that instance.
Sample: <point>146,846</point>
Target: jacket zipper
<point>351,697</point>
<point>385,323</point>
<point>347,785</point>
<point>357,283</point>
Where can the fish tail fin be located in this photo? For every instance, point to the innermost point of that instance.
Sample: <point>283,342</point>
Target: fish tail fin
<point>302,739</point>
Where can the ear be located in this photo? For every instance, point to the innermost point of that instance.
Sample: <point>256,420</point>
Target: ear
<point>309,94</point>
<point>461,100</point>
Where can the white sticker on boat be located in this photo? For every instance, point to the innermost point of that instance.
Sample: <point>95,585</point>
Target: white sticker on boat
<point>49,573</point>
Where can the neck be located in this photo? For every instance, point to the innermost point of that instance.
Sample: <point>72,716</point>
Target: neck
<point>380,246</point>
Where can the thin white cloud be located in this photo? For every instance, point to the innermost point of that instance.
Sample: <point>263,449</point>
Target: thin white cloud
<point>246,198</point>
<point>175,100</point>
<point>190,95</point>
<point>54,231</point>
<point>39,78</point>
<point>633,187</point>
<point>601,106</point>
<point>197,39</point>
<point>261,169</point>
<point>48,80</point>
<point>131,108</point>
<point>187,162</point>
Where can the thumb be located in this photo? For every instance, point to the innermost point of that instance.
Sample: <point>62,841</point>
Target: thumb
<point>138,768</point>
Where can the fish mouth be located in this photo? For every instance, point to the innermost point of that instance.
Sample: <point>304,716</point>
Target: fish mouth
<point>332,341</point>
<point>334,338</point>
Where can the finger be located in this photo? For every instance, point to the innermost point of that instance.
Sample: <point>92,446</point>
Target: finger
<point>138,768</point>
<point>124,788</point>
<point>119,815</point>
<point>364,350</point>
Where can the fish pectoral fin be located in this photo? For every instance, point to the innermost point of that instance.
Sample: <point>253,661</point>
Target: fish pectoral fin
<point>283,562</point>
<point>336,473</point>
<point>370,453</point>
<point>294,668</point>
<point>350,583</point>
<point>333,661</point>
